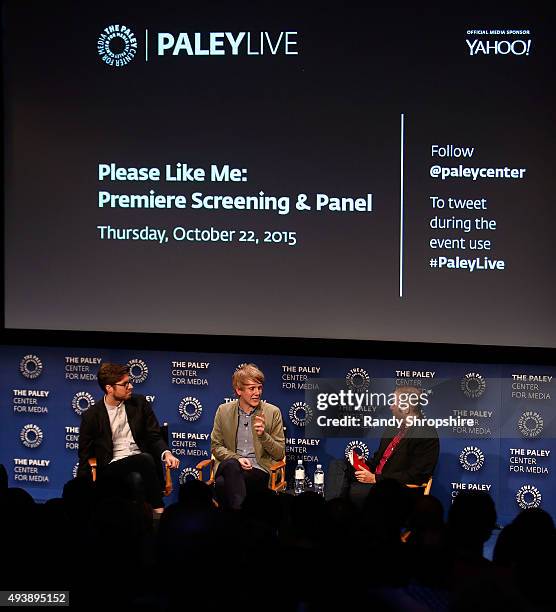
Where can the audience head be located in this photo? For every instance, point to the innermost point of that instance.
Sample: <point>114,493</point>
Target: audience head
<point>195,495</point>
<point>472,517</point>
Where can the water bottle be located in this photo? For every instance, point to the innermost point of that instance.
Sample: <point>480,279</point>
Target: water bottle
<point>319,480</point>
<point>299,478</point>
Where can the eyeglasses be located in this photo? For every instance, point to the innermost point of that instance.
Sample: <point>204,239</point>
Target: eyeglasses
<point>126,384</point>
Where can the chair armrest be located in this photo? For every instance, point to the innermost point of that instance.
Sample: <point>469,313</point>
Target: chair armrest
<point>168,486</point>
<point>202,465</point>
<point>426,486</point>
<point>277,465</point>
<point>93,465</point>
<point>278,475</point>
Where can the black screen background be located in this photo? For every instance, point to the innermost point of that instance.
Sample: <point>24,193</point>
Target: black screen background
<point>324,121</point>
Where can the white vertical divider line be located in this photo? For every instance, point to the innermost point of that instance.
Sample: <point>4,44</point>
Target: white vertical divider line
<point>402,127</point>
<point>146,45</point>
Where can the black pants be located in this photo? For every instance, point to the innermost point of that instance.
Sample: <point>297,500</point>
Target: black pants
<point>138,475</point>
<point>342,483</point>
<point>233,483</point>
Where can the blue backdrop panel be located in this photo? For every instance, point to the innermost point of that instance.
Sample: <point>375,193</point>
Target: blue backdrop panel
<point>508,451</point>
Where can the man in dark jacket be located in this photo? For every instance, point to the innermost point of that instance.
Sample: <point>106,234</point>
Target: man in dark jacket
<point>122,433</point>
<point>407,453</point>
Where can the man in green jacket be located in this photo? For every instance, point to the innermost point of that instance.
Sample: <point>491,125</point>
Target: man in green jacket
<point>247,437</point>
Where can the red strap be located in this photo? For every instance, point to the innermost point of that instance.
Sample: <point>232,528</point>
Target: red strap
<point>390,449</point>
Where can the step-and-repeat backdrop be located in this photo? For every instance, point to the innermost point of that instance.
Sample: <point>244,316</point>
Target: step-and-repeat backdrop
<point>505,445</point>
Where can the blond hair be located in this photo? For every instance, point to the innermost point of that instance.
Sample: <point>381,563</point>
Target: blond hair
<point>246,372</point>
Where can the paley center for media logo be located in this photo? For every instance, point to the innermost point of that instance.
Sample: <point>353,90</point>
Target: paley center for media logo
<point>138,371</point>
<point>473,385</point>
<point>188,473</point>
<point>528,496</point>
<point>472,458</point>
<point>190,409</point>
<point>31,366</point>
<point>31,436</point>
<point>300,414</point>
<point>118,45</point>
<point>81,402</point>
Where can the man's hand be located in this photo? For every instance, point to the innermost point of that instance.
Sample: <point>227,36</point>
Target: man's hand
<point>365,476</point>
<point>259,424</point>
<point>170,460</point>
<point>245,463</point>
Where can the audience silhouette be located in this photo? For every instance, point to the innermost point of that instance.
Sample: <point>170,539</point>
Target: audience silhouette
<point>298,553</point>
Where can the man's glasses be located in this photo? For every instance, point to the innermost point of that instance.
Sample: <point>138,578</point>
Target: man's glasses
<point>125,384</point>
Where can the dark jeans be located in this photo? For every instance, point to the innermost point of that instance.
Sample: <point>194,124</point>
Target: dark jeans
<point>138,475</point>
<point>342,483</point>
<point>232,483</point>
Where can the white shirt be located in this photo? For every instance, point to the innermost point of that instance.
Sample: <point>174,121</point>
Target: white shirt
<point>122,438</point>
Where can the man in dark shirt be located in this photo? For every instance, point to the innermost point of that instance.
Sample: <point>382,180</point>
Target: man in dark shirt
<point>408,453</point>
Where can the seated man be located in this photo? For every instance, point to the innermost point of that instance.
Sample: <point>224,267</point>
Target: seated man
<point>122,432</point>
<point>247,437</point>
<point>407,454</point>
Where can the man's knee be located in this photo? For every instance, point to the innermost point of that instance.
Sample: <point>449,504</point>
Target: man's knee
<point>134,479</point>
<point>256,479</point>
<point>337,466</point>
<point>337,482</point>
<point>229,466</point>
<point>134,486</point>
<point>145,460</point>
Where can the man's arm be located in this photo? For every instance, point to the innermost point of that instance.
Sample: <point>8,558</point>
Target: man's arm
<point>273,440</point>
<point>217,446</point>
<point>154,438</point>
